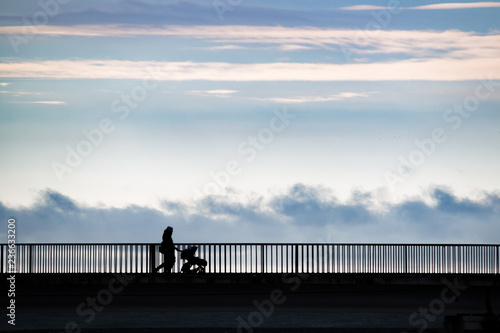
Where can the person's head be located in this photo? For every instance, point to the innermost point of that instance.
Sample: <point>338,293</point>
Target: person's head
<point>169,230</point>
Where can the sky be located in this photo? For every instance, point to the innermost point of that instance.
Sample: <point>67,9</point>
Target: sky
<point>250,121</point>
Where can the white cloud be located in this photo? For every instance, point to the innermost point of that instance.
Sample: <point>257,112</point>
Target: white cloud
<point>226,47</point>
<point>43,102</point>
<point>469,5</point>
<point>215,92</point>
<point>4,84</point>
<point>294,47</point>
<point>19,93</point>
<point>439,69</point>
<point>313,99</point>
<point>294,38</point>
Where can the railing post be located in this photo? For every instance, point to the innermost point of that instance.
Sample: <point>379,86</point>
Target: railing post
<point>152,258</point>
<point>498,259</point>
<point>406,259</point>
<point>296,258</point>
<point>262,258</point>
<point>30,265</point>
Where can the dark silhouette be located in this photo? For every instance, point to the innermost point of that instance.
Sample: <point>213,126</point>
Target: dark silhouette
<point>168,249</point>
<point>188,254</point>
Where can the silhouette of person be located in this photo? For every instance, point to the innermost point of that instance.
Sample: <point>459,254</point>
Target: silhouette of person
<point>168,249</point>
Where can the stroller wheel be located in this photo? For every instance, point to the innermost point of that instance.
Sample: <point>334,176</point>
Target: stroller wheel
<point>185,268</point>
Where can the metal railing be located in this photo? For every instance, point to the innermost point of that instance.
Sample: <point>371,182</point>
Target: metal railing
<point>257,258</point>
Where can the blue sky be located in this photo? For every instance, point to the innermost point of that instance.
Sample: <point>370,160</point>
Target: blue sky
<point>279,121</point>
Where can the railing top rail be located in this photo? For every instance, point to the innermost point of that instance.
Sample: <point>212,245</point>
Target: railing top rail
<point>280,244</point>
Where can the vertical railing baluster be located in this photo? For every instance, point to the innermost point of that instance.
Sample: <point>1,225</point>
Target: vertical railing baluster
<point>328,258</point>
<point>49,259</point>
<point>262,253</point>
<point>498,259</point>
<point>122,258</point>
<point>136,257</point>
<point>250,258</point>
<point>210,260</point>
<point>61,258</point>
<point>64,257</point>
<point>317,259</point>
<point>70,257</point>
<point>229,258</point>
<point>36,259</point>
<point>58,252</point>
<point>406,258</point>
<point>220,259</point>
<point>307,257</point>
<point>336,249</point>
<point>225,257</point>
<point>296,262</point>
<point>152,258</point>
<point>30,265</point>
<point>302,252</point>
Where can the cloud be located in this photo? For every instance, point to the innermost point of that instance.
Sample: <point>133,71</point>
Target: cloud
<point>226,47</point>
<point>214,92</point>
<point>42,102</point>
<point>59,202</point>
<point>4,84</point>
<point>305,205</point>
<point>301,213</point>
<point>421,55</point>
<point>294,47</point>
<point>439,69</point>
<point>411,42</point>
<point>19,93</point>
<point>447,202</point>
<point>470,5</point>
<point>315,99</point>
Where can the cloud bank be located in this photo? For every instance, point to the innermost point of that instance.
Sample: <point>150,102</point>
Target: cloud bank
<point>403,70</point>
<point>286,38</point>
<point>449,55</point>
<point>300,214</point>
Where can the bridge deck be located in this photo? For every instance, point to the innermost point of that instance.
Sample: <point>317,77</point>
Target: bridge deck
<point>69,287</point>
<point>351,301</point>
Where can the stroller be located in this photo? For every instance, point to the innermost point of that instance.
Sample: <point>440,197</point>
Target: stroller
<point>188,254</point>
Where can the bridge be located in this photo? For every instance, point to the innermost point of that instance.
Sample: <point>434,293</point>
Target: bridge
<point>257,287</point>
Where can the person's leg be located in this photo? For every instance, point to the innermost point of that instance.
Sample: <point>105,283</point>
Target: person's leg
<point>169,264</point>
<point>160,267</point>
